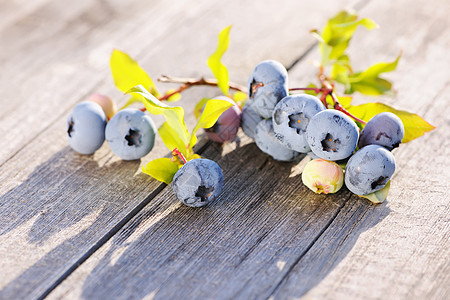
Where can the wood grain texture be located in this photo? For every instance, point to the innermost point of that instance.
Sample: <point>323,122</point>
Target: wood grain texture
<point>406,254</point>
<point>57,206</point>
<point>268,237</point>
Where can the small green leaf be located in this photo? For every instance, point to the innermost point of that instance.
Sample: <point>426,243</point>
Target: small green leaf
<point>174,115</point>
<point>336,35</point>
<point>193,156</point>
<point>370,86</point>
<point>219,70</point>
<point>414,125</point>
<point>127,73</point>
<point>174,97</point>
<point>171,139</point>
<point>211,112</point>
<point>199,107</point>
<point>369,82</point>
<point>133,99</point>
<point>162,169</point>
<point>376,69</point>
<point>240,98</point>
<point>313,93</point>
<point>380,195</point>
<point>345,101</point>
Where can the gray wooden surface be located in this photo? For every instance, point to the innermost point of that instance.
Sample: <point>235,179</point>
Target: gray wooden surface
<point>94,227</point>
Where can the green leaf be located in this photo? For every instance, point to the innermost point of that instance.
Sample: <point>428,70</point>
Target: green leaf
<point>337,33</point>
<point>380,195</point>
<point>174,97</point>
<point>240,98</point>
<point>127,73</point>
<point>214,63</point>
<point>345,101</point>
<point>193,156</point>
<point>199,107</point>
<point>174,115</point>
<point>171,139</point>
<point>376,69</point>
<point>414,125</point>
<point>370,86</point>
<point>369,82</point>
<point>211,112</point>
<point>133,99</point>
<point>162,169</point>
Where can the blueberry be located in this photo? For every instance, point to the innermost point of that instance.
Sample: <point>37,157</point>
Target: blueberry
<point>291,117</point>
<point>130,134</point>
<point>227,126</point>
<point>369,169</point>
<point>86,127</point>
<point>384,129</point>
<point>332,135</point>
<point>266,141</point>
<point>198,182</point>
<point>249,120</point>
<point>267,85</point>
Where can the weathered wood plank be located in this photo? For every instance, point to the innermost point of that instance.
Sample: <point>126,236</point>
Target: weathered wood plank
<point>400,249</point>
<point>256,242</point>
<point>57,205</point>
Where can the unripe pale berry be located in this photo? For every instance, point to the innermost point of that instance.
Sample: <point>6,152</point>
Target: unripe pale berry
<point>323,176</point>
<point>107,104</point>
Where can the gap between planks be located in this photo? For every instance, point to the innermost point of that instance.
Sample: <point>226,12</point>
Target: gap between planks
<point>358,6</point>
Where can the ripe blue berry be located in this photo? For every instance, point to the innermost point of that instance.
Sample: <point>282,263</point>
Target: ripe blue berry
<point>130,134</point>
<point>86,127</point>
<point>267,142</point>
<point>227,126</point>
<point>291,118</point>
<point>384,129</point>
<point>249,120</point>
<point>332,135</point>
<point>267,85</point>
<point>198,182</point>
<point>369,169</point>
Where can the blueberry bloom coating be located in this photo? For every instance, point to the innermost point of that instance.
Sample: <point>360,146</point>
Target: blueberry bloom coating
<point>249,120</point>
<point>198,182</point>
<point>267,85</point>
<point>130,134</point>
<point>384,129</point>
<point>86,127</point>
<point>291,117</point>
<point>332,135</point>
<point>369,169</point>
<point>267,142</point>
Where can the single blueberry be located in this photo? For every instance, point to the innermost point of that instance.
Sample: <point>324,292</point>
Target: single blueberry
<point>267,85</point>
<point>86,127</point>
<point>227,126</point>
<point>384,129</point>
<point>249,120</point>
<point>332,135</point>
<point>267,142</point>
<point>130,134</point>
<point>198,182</point>
<point>291,117</point>
<point>369,169</point>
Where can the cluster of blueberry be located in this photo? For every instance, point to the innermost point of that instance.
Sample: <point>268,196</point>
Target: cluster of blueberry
<point>130,133</point>
<point>284,126</point>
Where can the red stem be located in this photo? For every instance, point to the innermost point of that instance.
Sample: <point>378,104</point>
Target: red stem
<point>176,152</point>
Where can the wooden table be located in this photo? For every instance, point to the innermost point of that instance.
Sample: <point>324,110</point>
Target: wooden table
<point>95,227</point>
